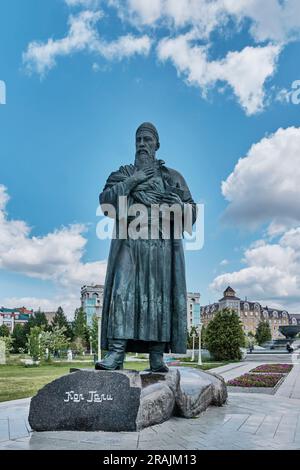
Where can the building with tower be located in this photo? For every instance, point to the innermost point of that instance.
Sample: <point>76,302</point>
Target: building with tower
<point>92,301</point>
<point>193,309</point>
<point>250,313</point>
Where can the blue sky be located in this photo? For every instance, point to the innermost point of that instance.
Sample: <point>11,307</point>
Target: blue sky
<point>215,78</point>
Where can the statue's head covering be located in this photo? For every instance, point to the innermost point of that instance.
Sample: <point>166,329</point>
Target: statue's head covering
<point>151,128</point>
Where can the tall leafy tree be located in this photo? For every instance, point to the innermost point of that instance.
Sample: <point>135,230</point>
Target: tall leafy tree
<point>19,338</point>
<point>36,319</point>
<point>263,332</point>
<point>54,341</point>
<point>34,343</point>
<point>94,333</point>
<point>60,320</point>
<point>80,329</point>
<point>4,331</point>
<point>224,336</point>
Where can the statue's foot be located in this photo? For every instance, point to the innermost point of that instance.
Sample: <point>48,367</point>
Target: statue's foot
<point>156,359</point>
<point>161,370</point>
<point>115,357</point>
<point>103,366</point>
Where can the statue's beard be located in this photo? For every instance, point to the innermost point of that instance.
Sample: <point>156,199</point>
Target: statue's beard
<point>144,158</point>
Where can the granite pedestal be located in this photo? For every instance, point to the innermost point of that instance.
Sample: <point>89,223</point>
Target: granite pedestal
<point>87,400</point>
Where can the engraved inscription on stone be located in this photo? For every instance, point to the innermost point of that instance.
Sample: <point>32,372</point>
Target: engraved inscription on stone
<point>91,397</point>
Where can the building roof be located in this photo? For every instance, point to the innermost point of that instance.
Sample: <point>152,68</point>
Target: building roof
<point>229,290</point>
<point>16,310</point>
<point>229,297</point>
<point>229,294</point>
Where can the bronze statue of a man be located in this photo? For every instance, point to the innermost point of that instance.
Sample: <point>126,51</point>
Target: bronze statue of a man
<point>145,304</point>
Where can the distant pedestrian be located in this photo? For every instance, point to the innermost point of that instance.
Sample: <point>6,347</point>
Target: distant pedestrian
<point>70,355</point>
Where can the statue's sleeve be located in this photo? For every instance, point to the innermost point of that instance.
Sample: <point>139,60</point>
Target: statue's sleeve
<point>190,207</point>
<point>118,184</point>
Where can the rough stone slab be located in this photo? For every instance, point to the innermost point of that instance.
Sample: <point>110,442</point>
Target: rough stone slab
<point>198,390</point>
<point>157,405</point>
<point>87,400</point>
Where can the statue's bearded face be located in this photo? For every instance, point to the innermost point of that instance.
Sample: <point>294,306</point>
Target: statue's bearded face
<point>146,146</point>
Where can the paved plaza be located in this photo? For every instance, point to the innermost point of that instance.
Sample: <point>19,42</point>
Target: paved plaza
<point>247,421</point>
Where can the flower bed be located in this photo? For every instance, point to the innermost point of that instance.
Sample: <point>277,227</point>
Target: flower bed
<point>256,380</point>
<point>271,368</point>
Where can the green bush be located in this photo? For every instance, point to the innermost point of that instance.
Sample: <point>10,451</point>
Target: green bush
<point>263,332</point>
<point>224,336</point>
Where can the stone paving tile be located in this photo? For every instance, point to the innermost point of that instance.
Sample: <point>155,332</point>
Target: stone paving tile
<point>4,433</point>
<point>235,422</point>
<point>17,428</point>
<point>269,426</point>
<point>297,430</point>
<point>252,424</point>
<point>15,445</point>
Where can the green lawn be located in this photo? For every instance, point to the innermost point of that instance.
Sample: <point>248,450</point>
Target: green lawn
<point>18,381</point>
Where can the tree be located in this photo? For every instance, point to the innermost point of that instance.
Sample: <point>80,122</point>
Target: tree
<point>4,331</point>
<point>34,346</point>
<point>78,346</point>
<point>19,338</point>
<point>8,342</point>
<point>224,336</point>
<point>80,329</point>
<point>37,319</point>
<point>94,333</point>
<point>263,332</point>
<point>52,341</point>
<point>60,320</point>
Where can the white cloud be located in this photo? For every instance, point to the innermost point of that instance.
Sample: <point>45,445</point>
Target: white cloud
<point>201,14</point>
<point>272,272</point>
<point>224,262</point>
<point>264,186</point>
<point>55,257</point>
<point>124,46</point>
<point>245,71</point>
<point>270,20</point>
<point>271,23</point>
<point>264,189</point>
<point>82,35</point>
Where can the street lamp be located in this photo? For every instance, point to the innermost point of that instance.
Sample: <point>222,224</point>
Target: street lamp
<point>99,335</point>
<point>91,346</point>
<point>199,353</point>
<point>193,352</point>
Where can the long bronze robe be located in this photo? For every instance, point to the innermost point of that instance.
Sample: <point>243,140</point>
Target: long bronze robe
<point>145,295</point>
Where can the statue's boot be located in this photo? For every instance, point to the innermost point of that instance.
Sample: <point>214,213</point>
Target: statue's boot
<point>115,357</point>
<point>156,357</point>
